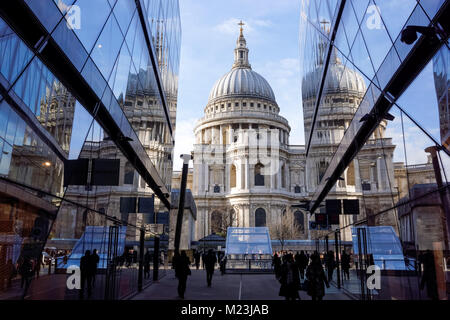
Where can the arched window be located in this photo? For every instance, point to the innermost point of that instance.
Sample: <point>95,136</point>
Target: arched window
<point>260,217</point>
<point>216,222</point>
<point>233,176</point>
<point>259,177</point>
<point>299,219</point>
<point>283,176</point>
<point>128,174</point>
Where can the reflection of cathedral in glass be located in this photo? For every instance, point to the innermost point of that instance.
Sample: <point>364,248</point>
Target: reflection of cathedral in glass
<point>143,108</point>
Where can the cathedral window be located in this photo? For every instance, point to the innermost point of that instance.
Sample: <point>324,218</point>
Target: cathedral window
<point>128,174</point>
<point>233,176</point>
<point>299,219</point>
<point>251,104</point>
<point>259,177</point>
<point>229,105</point>
<point>236,104</point>
<point>216,222</point>
<point>259,105</point>
<point>283,176</point>
<point>265,107</point>
<point>260,217</point>
<point>244,104</point>
<point>297,189</point>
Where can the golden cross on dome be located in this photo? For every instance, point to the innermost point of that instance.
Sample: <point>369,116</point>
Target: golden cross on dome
<point>241,24</point>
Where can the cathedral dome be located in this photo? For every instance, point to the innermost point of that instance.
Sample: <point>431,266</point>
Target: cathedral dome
<point>241,80</point>
<point>340,79</point>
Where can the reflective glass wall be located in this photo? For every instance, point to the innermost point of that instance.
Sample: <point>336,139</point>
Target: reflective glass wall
<point>48,218</point>
<point>400,173</point>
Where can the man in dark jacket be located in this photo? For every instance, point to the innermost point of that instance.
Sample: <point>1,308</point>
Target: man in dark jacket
<point>330,264</point>
<point>210,263</point>
<point>345,261</point>
<point>181,265</point>
<point>316,278</point>
<point>290,281</point>
<point>302,263</point>
<point>197,259</point>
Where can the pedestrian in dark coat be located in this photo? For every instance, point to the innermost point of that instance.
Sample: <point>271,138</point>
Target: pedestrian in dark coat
<point>345,262</point>
<point>330,264</point>
<point>197,259</point>
<point>302,263</point>
<point>210,263</point>
<point>316,278</point>
<point>290,281</point>
<point>147,260</point>
<point>182,271</point>
<point>429,275</point>
<point>276,263</point>
<point>86,270</point>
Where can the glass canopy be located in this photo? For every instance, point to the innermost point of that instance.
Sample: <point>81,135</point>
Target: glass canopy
<point>254,240</point>
<point>384,245</point>
<point>96,237</point>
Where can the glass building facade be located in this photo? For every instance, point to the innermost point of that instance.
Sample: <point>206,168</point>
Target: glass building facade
<point>376,113</point>
<point>88,98</point>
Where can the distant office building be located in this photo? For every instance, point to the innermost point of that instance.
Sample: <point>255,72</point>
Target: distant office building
<point>88,96</point>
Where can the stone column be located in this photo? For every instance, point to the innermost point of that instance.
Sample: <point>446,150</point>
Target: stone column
<point>380,174</point>
<point>247,174</point>
<point>357,176</point>
<point>221,134</point>
<point>206,176</point>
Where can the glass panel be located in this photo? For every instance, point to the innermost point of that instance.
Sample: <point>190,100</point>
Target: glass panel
<point>15,54</point>
<point>107,47</point>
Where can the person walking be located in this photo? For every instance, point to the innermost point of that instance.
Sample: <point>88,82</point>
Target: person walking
<point>429,275</point>
<point>316,278</point>
<point>210,263</point>
<point>197,259</point>
<point>345,262</point>
<point>276,263</point>
<point>94,265</point>
<point>182,271</point>
<point>302,263</point>
<point>26,271</point>
<point>86,273</point>
<point>147,259</point>
<point>290,281</point>
<point>330,264</point>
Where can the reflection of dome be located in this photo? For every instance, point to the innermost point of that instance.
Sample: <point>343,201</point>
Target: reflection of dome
<point>242,81</point>
<point>339,80</point>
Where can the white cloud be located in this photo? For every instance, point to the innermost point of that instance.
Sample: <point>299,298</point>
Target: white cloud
<point>230,26</point>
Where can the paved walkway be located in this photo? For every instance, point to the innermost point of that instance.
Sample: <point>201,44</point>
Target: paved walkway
<point>226,287</point>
